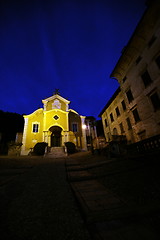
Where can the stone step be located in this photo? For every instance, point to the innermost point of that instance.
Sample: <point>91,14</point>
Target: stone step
<point>56,152</point>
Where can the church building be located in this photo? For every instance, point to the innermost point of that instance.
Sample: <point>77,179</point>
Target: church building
<point>54,124</point>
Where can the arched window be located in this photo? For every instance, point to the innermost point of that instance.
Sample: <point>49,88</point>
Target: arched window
<point>115,131</point>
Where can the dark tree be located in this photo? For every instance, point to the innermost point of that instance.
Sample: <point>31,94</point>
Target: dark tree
<point>10,124</point>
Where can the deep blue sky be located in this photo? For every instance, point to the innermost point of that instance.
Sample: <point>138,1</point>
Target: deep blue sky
<point>72,45</point>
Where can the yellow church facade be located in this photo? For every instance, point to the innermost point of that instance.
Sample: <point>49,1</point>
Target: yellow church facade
<point>54,124</point>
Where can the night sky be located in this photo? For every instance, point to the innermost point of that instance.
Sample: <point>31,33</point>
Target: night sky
<point>72,45</point>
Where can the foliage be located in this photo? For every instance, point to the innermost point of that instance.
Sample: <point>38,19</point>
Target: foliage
<point>10,124</point>
<point>14,148</point>
<point>71,148</point>
<point>14,144</point>
<point>3,148</point>
<point>39,148</point>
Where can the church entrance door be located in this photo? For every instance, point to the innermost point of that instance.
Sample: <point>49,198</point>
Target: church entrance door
<point>56,137</point>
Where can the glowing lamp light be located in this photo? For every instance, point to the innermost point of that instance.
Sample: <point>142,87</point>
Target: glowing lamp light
<point>83,126</point>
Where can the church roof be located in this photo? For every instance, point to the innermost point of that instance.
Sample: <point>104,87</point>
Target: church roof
<point>55,96</point>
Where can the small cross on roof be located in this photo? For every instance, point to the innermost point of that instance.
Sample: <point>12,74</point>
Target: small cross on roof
<point>56,91</point>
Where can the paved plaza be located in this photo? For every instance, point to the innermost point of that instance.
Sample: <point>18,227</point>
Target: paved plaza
<point>79,197</point>
<point>37,201</point>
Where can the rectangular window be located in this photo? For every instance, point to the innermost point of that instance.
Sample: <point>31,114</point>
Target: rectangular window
<point>128,123</point>
<point>124,79</point>
<point>35,127</point>
<point>138,59</point>
<point>121,128</point>
<point>152,40</point>
<point>155,101</point>
<point>146,78</point>
<point>111,117</point>
<point>117,111</point>
<point>136,115</point>
<point>129,95</point>
<point>106,123</point>
<point>74,127</point>
<point>158,61</point>
<point>123,105</point>
<point>142,134</point>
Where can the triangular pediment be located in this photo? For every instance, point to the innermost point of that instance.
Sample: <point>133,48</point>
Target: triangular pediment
<point>55,102</point>
<point>55,96</point>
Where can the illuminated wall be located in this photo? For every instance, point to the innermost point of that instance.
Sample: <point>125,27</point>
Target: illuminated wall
<point>44,124</point>
<point>138,73</point>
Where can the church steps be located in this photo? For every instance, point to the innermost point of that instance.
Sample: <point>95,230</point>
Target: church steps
<point>56,152</point>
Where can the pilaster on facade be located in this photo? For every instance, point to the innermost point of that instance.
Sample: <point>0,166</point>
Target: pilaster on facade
<point>45,105</point>
<point>23,149</point>
<point>67,123</point>
<point>66,136</point>
<point>84,141</point>
<point>45,136</point>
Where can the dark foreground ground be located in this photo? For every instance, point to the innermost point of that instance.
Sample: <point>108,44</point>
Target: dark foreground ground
<point>37,201</point>
<point>79,197</point>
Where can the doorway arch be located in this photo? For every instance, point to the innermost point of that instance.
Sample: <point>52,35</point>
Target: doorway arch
<point>56,137</point>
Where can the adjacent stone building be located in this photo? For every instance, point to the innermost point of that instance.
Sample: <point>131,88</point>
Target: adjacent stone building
<point>115,118</point>
<point>134,109</point>
<point>54,124</point>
